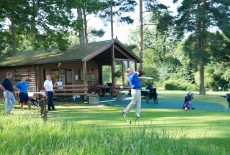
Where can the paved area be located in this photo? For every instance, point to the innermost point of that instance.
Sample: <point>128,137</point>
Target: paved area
<point>164,104</point>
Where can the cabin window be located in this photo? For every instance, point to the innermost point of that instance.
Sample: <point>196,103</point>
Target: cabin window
<point>106,75</point>
<point>118,68</point>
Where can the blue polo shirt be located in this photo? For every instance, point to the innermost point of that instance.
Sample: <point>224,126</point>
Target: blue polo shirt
<point>134,81</point>
<point>7,85</point>
<point>22,86</point>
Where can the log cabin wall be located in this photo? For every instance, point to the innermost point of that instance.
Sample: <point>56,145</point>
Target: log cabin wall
<point>69,72</point>
<point>37,74</point>
<point>19,72</point>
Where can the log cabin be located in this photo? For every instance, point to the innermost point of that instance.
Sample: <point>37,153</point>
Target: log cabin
<point>81,67</point>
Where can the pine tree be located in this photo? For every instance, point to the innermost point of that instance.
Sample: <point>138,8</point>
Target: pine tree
<point>197,17</point>
<point>115,11</point>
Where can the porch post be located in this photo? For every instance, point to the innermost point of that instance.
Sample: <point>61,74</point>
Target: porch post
<point>113,67</point>
<point>38,78</point>
<point>42,74</point>
<point>135,65</point>
<point>123,75</point>
<point>100,75</point>
<point>84,70</point>
<point>84,73</point>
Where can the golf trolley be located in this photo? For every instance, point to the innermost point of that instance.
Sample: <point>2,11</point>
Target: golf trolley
<point>150,92</point>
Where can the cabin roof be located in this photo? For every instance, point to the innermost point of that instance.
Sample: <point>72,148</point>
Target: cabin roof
<point>83,52</point>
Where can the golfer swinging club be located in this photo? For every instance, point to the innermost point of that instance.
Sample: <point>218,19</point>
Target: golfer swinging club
<point>135,92</point>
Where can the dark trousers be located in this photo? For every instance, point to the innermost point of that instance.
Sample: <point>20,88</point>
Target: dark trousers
<point>50,96</point>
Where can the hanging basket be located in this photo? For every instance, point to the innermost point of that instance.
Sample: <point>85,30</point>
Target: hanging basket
<point>118,74</point>
<point>141,72</point>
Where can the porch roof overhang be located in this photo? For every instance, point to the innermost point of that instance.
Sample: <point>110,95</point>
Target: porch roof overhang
<point>83,52</point>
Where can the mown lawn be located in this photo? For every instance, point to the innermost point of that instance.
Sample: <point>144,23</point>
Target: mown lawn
<point>90,129</point>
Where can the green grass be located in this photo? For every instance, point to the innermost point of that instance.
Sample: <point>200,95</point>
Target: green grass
<point>89,129</point>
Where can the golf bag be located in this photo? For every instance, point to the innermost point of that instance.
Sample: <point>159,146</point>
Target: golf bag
<point>152,94</point>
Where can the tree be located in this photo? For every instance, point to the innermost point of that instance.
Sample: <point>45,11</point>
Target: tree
<point>116,11</point>
<point>158,31</point>
<point>37,21</point>
<point>16,12</point>
<point>48,18</point>
<point>91,7</point>
<point>141,34</point>
<point>196,17</point>
<point>85,8</point>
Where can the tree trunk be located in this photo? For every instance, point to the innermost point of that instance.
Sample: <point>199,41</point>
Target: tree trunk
<point>1,48</point>
<point>81,31</point>
<point>13,33</point>
<point>111,17</point>
<point>85,26</point>
<point>141,35</point>
<point>33,25</point>
<point>202,88</point>
<point>201,27</point>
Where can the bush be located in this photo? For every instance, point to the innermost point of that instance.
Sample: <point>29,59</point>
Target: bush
<point>174,86</point>
<point>179,85</point>
<point>150,72</point>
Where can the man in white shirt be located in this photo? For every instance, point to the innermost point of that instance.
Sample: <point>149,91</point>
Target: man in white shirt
<point>48,85</point>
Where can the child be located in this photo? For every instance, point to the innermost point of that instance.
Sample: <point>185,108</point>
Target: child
<point>23,96</point>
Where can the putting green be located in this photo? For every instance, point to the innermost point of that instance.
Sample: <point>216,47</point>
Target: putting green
<point>164,104</point>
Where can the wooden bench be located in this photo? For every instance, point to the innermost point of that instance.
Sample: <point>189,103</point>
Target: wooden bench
<point>71,90</point>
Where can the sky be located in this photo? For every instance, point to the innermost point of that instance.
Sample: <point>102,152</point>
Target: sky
<point>122,31</point>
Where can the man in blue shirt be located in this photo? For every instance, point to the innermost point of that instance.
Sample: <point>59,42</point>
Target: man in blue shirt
<point>135,92</point>
<point>23,96</point>
<point>8,94</point>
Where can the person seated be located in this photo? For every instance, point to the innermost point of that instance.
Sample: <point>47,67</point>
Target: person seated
<point>189,95</point>
<point>186,105</point>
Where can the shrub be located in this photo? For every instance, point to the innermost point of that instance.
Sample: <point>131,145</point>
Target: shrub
<point>179,85</point>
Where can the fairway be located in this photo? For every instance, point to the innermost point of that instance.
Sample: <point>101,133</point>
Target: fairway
<point>98,129</point>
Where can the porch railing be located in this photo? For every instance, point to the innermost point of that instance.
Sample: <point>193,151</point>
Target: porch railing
<point>70,90</point>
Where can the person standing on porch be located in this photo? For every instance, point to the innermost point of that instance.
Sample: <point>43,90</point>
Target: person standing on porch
<point>59,84</point>
<point>8,94</point>
<point>135,92</point>
<point>48,85</point>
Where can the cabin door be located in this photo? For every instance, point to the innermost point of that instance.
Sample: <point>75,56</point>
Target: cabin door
<point>69,75</point>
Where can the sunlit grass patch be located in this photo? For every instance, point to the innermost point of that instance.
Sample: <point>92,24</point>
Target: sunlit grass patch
<point>96,129</point>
